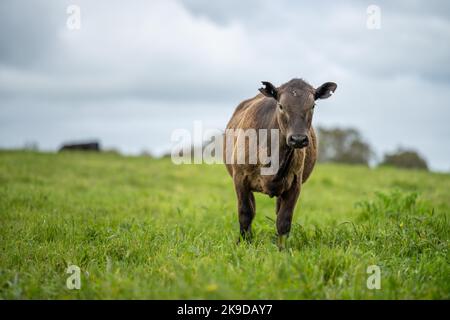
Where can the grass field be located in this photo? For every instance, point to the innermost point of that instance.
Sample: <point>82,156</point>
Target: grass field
<point>144,228</point>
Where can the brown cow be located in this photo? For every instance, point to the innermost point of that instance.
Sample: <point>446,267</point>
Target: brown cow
<point>288,108</point>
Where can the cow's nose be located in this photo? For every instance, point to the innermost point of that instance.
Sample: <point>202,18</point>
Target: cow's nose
<point>298,141</point>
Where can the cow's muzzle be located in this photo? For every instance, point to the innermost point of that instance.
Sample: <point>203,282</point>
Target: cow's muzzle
<point>298,141</point>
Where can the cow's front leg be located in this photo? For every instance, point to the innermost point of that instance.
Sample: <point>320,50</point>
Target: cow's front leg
<point>285,209</point>
<point>246,210</point>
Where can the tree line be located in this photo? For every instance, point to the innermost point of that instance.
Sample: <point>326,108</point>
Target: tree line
<point>346,145</point>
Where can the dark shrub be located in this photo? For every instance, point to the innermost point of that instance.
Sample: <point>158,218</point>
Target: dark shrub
<point>409,159</point>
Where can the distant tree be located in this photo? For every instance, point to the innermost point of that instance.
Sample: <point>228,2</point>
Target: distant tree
<point>403,158</point>
<point>146,153</point>
<point>31,146</point>
<point>344,146</point>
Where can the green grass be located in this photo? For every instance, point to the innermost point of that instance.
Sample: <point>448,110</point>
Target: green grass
<point>145,228</point>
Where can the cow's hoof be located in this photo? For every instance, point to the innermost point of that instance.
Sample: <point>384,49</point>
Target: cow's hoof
<point>247,237</point>
<point>281,241</point>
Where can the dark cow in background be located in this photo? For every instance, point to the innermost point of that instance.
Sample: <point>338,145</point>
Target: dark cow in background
<point>83,146</point>
<point>288,108</point>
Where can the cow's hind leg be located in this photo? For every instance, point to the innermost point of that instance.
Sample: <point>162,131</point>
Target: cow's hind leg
<point>246,210</point>
<point>285,209</point>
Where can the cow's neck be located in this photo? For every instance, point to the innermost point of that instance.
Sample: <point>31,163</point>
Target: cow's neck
<point>286,154</point>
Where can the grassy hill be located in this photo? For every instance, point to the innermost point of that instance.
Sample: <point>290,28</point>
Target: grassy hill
<point>145,228</point>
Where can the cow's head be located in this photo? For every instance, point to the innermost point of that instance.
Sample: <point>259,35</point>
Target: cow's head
<point>295,107</point>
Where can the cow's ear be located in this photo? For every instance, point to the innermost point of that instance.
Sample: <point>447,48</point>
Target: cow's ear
<point>269,90</point>
<point>325,90</point>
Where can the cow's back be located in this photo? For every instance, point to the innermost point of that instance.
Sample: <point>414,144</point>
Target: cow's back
<point>258,113</point>
<point>255,113</point>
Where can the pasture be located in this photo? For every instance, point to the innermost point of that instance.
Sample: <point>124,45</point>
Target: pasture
<point>144,228</point>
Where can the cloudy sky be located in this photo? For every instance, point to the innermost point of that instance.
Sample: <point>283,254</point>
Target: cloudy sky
<point>137,70</point>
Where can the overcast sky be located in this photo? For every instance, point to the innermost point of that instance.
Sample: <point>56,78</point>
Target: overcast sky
<point>137,70</point>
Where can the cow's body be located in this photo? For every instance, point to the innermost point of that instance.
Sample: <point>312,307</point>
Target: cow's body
<point>258,113</point>
<point>295,164</point>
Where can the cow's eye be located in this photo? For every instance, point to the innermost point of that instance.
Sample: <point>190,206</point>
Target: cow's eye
<point>313,106</point>
<point>280,106</point>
